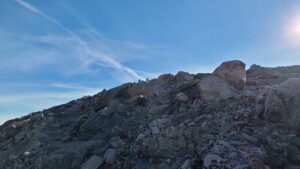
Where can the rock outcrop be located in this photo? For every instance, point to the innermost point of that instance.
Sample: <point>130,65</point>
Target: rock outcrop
<point>186,121</point>
<point>233,72</point>
<point>283,102</point>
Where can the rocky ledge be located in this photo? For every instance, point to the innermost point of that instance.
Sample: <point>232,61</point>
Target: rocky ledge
<point>232,118</point>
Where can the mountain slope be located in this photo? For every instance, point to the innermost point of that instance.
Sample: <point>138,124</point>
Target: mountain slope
<point>186,121</point>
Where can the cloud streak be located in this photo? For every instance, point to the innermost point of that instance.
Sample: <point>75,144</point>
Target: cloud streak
<point>95,56</point>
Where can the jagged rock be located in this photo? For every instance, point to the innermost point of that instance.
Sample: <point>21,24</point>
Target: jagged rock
<point>224,156</point>
<point>165,78</point>
<point>184,76</point>
<point>212,87</point>
<point>283,102</point>
<point>110,155</point>
<point>156,125</point>
<point>182,97</point>
<point>93,163</point>
<point>262,76</point>
<point>233,72</point>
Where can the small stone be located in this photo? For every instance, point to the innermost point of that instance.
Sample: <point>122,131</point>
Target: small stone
<point>117,142</point>
<point>208,136</point>
<point>156,125</point>
<point>110,155</point>
<point>204,124</point>
<point>26,153</point>
<point>182,97</point>
<point>249,138</point>
<point>168,161</point>
<point>93,163</point>
<point>191,124</point>
<point>188,164</point>
<point>143,135</point>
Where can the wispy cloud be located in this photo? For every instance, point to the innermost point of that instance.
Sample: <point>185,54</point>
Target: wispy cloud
<point>84,47</point>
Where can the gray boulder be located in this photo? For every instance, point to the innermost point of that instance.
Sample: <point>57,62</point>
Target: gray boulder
<point>212,86</point>
<point>284,102</point>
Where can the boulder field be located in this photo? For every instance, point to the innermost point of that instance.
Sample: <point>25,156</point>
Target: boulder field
<point>232,118</point>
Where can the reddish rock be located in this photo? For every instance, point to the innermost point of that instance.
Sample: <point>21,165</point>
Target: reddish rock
<point>233,72</point>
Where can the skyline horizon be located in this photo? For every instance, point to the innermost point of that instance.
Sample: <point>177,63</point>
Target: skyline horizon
<point>54,52</point>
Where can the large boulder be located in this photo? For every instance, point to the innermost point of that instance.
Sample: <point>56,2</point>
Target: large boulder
<point>233,72</point>
<point>284,102</point>
<point>212,87</point>
<point>184,76</point>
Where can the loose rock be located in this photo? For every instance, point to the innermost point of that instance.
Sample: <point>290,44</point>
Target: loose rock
<point>93,163</point>
<point>110,156</point>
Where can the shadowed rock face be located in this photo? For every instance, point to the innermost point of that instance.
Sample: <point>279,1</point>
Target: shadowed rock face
<point>213,87</point>
<point>176,121</point>
<point>284,102</point>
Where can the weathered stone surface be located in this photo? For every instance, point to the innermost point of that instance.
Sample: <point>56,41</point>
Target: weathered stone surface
<point>262,76</point>
<point>212,87</point>
<point>233,72</point>
<point>224,156</point>
<point>156,125</point>
<point>184,76</point>
<point>93,163</point>
<point>110,155</point>
<point>284,102</point>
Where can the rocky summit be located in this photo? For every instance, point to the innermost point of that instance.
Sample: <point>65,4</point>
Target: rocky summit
<point>230,119</point>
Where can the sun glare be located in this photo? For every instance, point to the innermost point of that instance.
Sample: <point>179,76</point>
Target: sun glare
<point>297,28</point>
<point>293,31</point>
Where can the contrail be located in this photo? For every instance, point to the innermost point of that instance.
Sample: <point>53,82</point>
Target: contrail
<point>105,58</point>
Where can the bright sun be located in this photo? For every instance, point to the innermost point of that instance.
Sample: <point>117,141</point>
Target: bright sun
<point>297,28</point>
<point>293,29</point>
<point>292,32</point>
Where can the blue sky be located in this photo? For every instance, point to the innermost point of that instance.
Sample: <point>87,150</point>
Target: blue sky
<point>54,51</point>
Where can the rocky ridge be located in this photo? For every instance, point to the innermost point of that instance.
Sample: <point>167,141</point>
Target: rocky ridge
<point>232,118</point>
